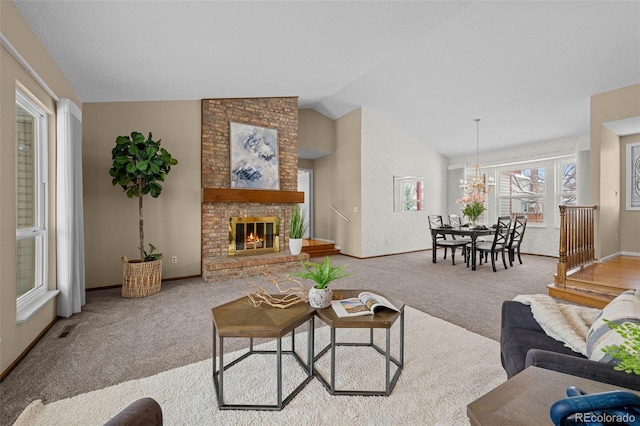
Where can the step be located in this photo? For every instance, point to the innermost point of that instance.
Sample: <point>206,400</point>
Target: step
<point>593,287</point>
<point>318,248</point>
<point>582,297</point>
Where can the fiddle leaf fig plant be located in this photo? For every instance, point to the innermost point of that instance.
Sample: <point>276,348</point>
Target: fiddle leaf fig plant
<point>321,273</point>
<point>139,166</point>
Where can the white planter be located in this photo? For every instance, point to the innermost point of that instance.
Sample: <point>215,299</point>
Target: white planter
<point>295,245</point>
<point>320,298</point>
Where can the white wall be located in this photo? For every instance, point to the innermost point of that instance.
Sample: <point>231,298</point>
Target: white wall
<point>386,152</point>
<point>539,238</point>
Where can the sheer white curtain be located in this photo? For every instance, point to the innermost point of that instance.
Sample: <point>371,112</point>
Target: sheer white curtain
<point>69,210</point>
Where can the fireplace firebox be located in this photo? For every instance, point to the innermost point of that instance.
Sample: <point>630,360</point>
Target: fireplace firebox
<point>253,235</point>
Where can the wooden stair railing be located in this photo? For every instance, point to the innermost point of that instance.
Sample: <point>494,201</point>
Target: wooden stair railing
<point>577,241</point>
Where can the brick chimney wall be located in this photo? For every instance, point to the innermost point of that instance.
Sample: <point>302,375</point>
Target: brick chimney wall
<point>274,113</point>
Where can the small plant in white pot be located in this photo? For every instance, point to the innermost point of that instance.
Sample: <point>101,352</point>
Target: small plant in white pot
<point>297,228</point>
<point>322,274</point>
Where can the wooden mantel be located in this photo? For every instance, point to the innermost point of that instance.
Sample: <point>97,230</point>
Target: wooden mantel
<point>227,195</point>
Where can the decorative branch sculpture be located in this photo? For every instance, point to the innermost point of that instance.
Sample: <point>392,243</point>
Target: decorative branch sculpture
<point>287,296</point>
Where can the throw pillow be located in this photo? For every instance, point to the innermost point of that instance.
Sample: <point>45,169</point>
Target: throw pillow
<point>624,308</point>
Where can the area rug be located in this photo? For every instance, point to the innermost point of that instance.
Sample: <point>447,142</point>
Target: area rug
<point>445,368</point>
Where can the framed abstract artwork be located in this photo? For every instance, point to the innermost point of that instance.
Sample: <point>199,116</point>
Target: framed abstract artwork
<point>254,157</point>
<point>633,176</point>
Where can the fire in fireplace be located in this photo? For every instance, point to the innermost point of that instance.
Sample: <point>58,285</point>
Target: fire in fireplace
<point>253,235</point>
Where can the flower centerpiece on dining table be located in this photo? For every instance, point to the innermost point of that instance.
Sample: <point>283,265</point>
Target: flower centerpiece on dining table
<point>473,207</point>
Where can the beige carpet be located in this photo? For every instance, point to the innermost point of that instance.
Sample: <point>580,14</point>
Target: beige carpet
<point>446,367</point>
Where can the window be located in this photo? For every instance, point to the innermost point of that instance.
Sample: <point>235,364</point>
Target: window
<point>522,192</point>
<point>408,193</point>
<point>31,200</point>
<point>566,189</point>
<point>566,194</point>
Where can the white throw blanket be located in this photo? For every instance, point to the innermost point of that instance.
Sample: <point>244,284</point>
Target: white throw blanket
<point>566,323</point>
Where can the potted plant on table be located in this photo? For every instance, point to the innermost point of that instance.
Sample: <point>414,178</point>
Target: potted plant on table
<point>297,228</point>
<point>473,207</point>
<point>322,274</point>
<point>139,166</point>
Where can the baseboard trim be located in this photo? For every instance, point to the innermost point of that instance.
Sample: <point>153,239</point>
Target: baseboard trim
<point>630,253</point>
<point>24,353</point>
<point>429,249</point>
<point>108,287</point>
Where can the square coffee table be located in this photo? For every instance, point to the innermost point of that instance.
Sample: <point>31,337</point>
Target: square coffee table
<point>525,399</point>
<point>384,319</point>
<point>240,318</point>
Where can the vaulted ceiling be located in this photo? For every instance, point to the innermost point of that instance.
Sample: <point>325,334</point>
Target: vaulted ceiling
<point>526,68</point>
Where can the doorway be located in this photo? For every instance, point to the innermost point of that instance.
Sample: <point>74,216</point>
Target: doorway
<point>305,184</point>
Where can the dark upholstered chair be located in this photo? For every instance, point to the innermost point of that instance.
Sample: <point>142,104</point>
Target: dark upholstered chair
<point>498,245</point>
<point>517,233</point>
<point>142,412</point>
<point>435,221</point>
<point>524,343</point>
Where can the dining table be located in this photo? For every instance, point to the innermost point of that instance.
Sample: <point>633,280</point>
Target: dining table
<point>465,231</point>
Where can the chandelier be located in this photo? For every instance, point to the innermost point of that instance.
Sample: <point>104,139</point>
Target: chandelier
<point>479,185</point>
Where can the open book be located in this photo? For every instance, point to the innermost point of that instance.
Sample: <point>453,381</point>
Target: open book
<point>365,304</point>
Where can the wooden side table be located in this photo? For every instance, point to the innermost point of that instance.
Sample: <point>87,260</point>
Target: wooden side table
<point>526,398</point>
<point>382,319</point>
<point>240,318</point>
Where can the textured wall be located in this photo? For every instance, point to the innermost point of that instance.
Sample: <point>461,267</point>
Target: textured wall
<point>387,151</point>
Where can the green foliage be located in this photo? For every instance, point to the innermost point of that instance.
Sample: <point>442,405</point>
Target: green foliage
<point>627,353</point>
<point>322,274</point>
<point>298,225</point>
<point>139,166</point>
<point>473,210</point>
<point>148,257</point>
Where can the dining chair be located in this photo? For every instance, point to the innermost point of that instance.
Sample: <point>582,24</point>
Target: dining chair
<point>517,233</point>
<point>455,220</point>
<point>435,221</point>
<point>498,245</point>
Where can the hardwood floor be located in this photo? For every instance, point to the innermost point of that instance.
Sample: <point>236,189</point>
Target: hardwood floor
<point>598,283</point>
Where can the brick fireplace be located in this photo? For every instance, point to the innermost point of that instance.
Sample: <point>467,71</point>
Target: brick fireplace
<point>253,235</point>
<point>220,202</point>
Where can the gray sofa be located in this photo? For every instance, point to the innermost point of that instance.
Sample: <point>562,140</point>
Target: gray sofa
<point>142,412</point>
<point>523,343</point>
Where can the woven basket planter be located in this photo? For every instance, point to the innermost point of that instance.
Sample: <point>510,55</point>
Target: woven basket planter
<point>141,279</point>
